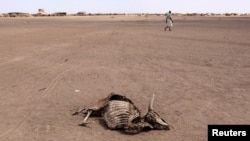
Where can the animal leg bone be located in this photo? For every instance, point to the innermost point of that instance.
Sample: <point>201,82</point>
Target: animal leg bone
<point>80,110</point>
<point>84,122</point>
<point>151,104</point>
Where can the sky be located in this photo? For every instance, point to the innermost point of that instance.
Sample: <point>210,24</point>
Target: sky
<point>126,6</point>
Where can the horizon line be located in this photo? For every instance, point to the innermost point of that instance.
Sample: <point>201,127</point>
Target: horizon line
<point>128,12</point>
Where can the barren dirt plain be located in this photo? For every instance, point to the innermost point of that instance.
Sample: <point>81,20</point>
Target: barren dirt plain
<point>50,66</point>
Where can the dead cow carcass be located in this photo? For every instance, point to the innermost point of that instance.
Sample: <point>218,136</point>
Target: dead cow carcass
<point>119,112</point>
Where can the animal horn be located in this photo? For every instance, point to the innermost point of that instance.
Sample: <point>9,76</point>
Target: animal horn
<point>151,104</point>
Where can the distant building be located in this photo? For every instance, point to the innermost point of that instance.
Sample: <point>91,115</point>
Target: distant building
<point>82,13</point>
<point>41,12</point>
<point>19,14</point>
<point>59,14</point>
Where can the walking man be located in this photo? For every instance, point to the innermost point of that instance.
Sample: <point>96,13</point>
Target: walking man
<point>169,21</point>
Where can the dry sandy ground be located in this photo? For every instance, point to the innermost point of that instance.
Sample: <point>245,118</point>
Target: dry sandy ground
<point>200,73</point>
